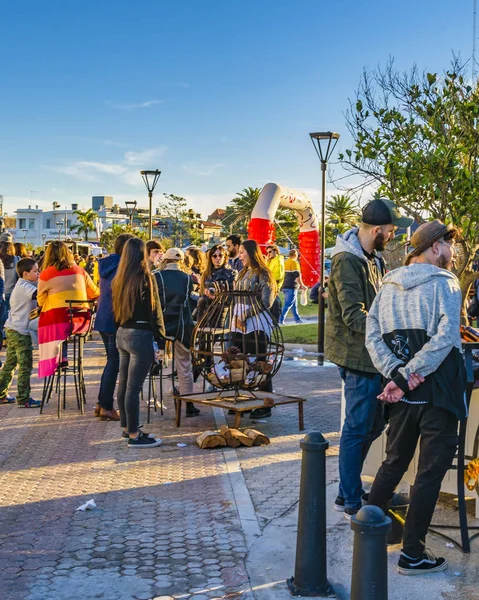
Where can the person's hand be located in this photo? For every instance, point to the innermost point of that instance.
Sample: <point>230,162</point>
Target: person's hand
<point>240,325</point>
<point>209,294</point>
<point>325,295</point>
<point>414,381</point>
<point>391,393</point>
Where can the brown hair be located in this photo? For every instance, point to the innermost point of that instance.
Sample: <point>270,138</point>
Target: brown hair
<point>25,265</point>
<point>20,250</point>
<point>7,254</point>
<point>57,255</point>
<point>198,258</point>
<point>154,245</point>
<point>257,263</point>
<point>209,264</point>
<point>293,252</point>
<point>132,281</point>
<point>120,242</point>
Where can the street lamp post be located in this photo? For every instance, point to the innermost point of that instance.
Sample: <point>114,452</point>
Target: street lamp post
<point>59,225</point>
<point>131,207</point>
<point>25,231</point>
<point>324,143</point>
<point>44,235</point>
<point>150,179</point>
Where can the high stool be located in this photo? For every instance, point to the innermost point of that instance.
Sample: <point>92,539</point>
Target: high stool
<point>71,359</point>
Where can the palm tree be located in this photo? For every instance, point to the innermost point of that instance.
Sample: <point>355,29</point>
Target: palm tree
<point>343,211</point>
<point>86,222</point>
<point>238,212</point>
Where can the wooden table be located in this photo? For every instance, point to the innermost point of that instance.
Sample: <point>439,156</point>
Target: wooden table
<point>226,400</point>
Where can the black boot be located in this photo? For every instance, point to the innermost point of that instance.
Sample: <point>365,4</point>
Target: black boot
<point>191,410</point>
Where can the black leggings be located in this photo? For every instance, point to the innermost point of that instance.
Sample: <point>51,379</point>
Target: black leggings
<point>254,343</point>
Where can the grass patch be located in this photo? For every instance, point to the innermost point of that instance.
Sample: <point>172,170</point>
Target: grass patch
<point>310,310</point>
<point>301,334</point>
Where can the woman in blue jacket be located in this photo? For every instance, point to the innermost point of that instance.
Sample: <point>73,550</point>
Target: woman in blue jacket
<point>105,324</point>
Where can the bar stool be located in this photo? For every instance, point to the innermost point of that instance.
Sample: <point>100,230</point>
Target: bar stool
<point>71,358</point>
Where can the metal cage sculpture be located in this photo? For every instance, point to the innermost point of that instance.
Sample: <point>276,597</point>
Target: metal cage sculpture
<point>237,344</point>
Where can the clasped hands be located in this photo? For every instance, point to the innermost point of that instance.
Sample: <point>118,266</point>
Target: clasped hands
<point>393,393</point>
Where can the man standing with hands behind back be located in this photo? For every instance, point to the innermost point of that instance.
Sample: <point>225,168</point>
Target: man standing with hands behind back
<point>355,279</point>
<point>413,337</point>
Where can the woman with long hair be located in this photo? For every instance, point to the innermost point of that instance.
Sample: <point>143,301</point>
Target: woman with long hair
<point>218,271</point>
<point>198,260</point>
<point>139,318</point>
<point>252,332</point>
<point>60,280</point>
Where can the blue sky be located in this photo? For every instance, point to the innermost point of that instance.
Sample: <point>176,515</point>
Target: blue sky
<point>218,94</point>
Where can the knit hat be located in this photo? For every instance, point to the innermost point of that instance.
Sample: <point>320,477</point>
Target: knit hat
<point>428,233</point>
<point>174,254</point>
<point>383,211</point>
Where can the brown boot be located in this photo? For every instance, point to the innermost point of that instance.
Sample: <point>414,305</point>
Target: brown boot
<point>96,412</point>
<point>109,415</point>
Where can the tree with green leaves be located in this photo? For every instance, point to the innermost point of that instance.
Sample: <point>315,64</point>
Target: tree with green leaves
<point>86,222</point>
<point>415,138</point>
<point>343,212</point>
<point>174,208</point>
<point>108,237</point>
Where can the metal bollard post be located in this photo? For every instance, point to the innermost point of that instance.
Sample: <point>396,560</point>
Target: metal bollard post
<point>369,580</point>
<point>310,576</point>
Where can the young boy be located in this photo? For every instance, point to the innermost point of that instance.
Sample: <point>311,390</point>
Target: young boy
<point>19,350</point>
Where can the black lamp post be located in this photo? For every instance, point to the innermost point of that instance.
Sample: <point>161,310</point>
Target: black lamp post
<point>131,207</point>
<point>25,231</point>
<point>324,143</point>
<point>44,235</point>
<point>151,179</point>
<point>59,225</point>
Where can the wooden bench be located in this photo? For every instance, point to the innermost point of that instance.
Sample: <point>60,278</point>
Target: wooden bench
<point>246,402</point>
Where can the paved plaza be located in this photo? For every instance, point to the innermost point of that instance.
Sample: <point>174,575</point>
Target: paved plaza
<point>174,521</point>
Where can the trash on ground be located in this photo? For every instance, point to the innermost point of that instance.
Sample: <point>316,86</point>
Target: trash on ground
<point>450,545</point>
<point>457,573</point>
<point>181,445</point>
<point>89,505</point>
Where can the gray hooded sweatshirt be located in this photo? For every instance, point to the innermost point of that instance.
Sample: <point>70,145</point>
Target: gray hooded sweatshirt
<point>413,326</point>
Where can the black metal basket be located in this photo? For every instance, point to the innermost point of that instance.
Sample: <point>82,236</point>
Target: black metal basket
<point>237,344</point>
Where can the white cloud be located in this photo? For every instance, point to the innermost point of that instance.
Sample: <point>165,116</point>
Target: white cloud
<point>133,106</point>
<point>89,171</point>
<point>203,170</point>
<point>142,158</point>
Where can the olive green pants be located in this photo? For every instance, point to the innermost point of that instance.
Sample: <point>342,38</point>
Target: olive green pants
<point>19,354</point>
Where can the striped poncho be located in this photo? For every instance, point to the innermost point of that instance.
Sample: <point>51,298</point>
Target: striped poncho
<point>54,289</point>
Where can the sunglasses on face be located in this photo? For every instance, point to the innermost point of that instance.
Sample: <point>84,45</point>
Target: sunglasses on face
<point>217,256</point>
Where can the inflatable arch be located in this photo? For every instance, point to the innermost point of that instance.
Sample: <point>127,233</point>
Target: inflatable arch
<point>262,229</point>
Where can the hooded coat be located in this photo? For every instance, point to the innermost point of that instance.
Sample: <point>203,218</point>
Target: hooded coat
<point>413,326</point>
<point>107,268</point>
<point>352,288</point>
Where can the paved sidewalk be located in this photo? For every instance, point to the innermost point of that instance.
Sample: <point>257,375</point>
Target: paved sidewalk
<point>176,522</point>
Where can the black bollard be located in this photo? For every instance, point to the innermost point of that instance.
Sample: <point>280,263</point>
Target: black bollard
<point>369,580</point>
<point>310,576</point>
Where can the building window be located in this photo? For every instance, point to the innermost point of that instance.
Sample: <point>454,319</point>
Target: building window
<point>22,223</point>
<point>48,223</point>
<point>31,223</point>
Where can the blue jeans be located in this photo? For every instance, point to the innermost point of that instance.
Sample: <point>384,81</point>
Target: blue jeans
<point>110,372</point>
<point>290,302</point>
<point>4,310</point>
<point>136,356</point>
<point>364,423</point>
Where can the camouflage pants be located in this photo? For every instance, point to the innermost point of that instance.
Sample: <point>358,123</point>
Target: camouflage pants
<point>19,353</point>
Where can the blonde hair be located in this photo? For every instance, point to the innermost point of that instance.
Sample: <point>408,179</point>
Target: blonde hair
<point>59,256</point>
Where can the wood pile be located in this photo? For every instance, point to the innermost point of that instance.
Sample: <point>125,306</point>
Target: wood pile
<point>233,438</point>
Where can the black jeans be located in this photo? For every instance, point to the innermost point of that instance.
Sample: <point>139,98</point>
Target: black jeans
<point>110,372</point>
<point>136,356</point>
<point>437,430</point>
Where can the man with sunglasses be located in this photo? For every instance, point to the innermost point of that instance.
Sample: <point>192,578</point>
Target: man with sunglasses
<point>412,335</point>
<point>354,281</point>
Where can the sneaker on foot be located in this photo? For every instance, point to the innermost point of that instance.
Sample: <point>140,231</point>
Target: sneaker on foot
<point>192,411</point>
<point>31,403</point>
<point>144,441</point>
<point>299,322</point>
<point>350,512</point>
<point>126,435</point>
<point>260,413</point>
<point>8,400</point>
<point>339,504</point>
<point>426,563</point>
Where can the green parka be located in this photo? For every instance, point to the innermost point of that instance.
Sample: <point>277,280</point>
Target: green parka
<point>351,291</point>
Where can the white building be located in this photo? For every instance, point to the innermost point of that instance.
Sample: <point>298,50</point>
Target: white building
<point>34,225</point>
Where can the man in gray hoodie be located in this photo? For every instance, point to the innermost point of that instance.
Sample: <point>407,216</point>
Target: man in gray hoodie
<point>413,338</point>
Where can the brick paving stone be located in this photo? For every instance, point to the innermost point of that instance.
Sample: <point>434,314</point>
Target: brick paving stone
<point>141,529</point>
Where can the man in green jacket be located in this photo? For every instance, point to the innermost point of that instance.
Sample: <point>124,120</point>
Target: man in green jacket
<point>355,278</point>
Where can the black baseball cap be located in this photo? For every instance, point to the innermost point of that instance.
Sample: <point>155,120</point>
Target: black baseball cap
<point>384,212</point>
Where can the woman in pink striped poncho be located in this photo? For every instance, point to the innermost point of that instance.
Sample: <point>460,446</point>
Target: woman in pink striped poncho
<point>60,280</point>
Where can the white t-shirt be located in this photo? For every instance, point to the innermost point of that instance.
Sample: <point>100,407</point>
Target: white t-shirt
<point>22,301</point>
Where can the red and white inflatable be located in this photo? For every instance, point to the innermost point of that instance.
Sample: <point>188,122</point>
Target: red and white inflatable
<point>262,229</point>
